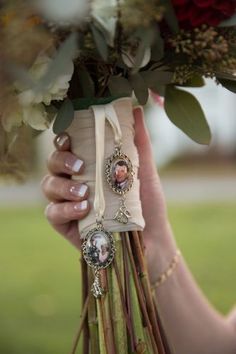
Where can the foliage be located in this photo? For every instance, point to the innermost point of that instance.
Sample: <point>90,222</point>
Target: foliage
<point>117,48</point>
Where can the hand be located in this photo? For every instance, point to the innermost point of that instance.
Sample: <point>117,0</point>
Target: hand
<point>69,199</point>
<point>64,210</point>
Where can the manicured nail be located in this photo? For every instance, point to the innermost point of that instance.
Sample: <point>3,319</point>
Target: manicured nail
<point>79,191</point>
<point>62,139</point>
<point>81,206</point>
<point>74,165</point>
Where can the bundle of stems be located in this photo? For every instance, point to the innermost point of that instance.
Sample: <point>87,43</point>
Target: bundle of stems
<point>125,319</point>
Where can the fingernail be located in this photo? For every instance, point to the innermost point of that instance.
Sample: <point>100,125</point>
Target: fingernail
<point>79,191</point>
<point>47,208</point>
<point>81,206</point>
<point>61,139</point>
<point>74,165</point>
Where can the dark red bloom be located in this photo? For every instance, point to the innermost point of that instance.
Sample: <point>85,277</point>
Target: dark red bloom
<point>193,13</point>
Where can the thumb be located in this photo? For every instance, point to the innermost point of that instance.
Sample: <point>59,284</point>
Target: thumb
<point>147,170</point>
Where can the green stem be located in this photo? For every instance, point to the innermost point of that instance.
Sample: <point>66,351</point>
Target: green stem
<point>92,319</point>
<point>140,294</point>
<point>117,298</point>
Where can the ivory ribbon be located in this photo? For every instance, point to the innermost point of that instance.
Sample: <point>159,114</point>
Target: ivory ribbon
<point>101,112</point>
<point>85,135</point>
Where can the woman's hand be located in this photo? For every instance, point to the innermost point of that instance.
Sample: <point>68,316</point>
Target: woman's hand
<point>69,199</point>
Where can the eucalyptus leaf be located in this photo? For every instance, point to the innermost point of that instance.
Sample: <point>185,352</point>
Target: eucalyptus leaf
<point>86,82</point>
<point>139,87</point>
<point>194,81</point>
<point>185,112</point>
<point>159,77</point>
<point>228,84</point>
<point>119,86</point>
<point>146,37</point>
<point>63,58</point>
<point>100,42</point>
<point>229,22</point>
<point>64,117</point>
<point>170,15</point>
<point>157,49</point>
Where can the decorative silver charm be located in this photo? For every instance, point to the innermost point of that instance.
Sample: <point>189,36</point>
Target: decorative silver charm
<point>96,288</point>
<point>122,215</point>
<point>119,172</point>
<point>98,251</point>
<point>120,177</point>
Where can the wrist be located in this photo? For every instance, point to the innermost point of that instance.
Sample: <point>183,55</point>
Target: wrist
<point>160,247</point>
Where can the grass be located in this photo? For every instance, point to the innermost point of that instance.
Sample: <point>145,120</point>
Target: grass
<point>40,295</point>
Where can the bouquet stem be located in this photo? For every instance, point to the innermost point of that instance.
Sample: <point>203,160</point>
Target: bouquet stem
<point>125,319</point>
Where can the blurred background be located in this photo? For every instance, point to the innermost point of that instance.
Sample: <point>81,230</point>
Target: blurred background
<point>40,277</point>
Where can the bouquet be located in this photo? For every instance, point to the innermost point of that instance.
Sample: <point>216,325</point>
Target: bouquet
<point>75,65</point>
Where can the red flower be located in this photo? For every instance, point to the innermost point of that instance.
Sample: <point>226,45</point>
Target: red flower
<point>193,13</point>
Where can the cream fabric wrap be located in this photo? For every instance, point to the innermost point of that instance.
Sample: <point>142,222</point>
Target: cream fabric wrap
<point>82,133</point>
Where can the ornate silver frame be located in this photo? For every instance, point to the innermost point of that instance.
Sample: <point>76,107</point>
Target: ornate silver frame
<point>112,249</point>
<point>118,155</point>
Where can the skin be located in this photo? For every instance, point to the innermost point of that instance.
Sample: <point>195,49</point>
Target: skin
<point>120,173</point>
<point>192,325</point>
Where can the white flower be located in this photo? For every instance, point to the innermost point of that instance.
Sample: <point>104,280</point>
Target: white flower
<point>129,59</point>
<point>105,14</point>
<point>56,90</point>
<point>64,12</point>
<point>35,116</point>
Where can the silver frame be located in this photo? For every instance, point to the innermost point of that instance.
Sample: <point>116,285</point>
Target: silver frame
<point>112,248</point>
<point>108,171</point>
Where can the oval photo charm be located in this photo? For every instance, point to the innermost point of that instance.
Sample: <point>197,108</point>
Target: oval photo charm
<point>98,248</point>
<point>119,173</point>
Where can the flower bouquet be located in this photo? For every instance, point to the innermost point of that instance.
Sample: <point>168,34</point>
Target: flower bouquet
<point>77,65</point>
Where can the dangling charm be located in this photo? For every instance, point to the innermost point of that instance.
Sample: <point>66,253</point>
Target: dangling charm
<point>120,177</point>
<point>122,215</point>
<point>98,251</point>
<point>96,288</point>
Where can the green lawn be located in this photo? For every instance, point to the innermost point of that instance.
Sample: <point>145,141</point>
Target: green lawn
<point>39,292</point>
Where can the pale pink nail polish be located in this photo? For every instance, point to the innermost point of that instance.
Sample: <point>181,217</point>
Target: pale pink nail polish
<point>81,206</point>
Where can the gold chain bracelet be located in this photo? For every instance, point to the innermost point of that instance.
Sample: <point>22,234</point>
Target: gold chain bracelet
<point>167,273</point>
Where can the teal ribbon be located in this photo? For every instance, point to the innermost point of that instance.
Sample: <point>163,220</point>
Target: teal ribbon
<point>85,103</point>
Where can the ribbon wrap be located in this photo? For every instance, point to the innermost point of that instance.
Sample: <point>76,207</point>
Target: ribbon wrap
<point>94,134</point>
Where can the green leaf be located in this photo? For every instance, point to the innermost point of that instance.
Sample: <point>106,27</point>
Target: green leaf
<point>86,82</point>
<point>63,58</point>
<point>146,37</point>
<point>140,88</point>
<point>228,84</point>
<point>194,81</point>
<point>157,49</point>
<point>156,77</point>
<point>100,42</point>
<point>170,15</point>
<point>64,117</point>
<point>229,22</point>
<point>185,112</point>
<point>119,86</point>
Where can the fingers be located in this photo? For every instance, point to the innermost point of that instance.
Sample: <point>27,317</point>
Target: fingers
<point>62,142</point>
<point>64,219</point>
<point>62,213</point>
<point>60,189</point>
<point>142,141</point>
<point>64,162</point>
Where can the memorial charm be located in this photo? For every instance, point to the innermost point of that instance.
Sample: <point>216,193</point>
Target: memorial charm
<point>120,176</point>
<point>98,251</point>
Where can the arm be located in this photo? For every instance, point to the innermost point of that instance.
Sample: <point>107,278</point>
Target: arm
<point>193,326</point>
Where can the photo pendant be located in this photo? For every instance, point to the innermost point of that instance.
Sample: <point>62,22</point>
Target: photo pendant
<point>98,250</point>
<point>120,177</point>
